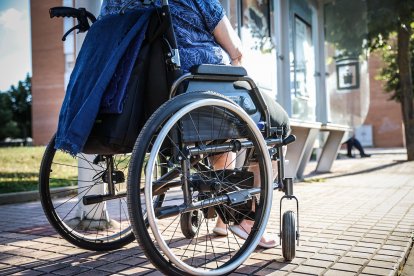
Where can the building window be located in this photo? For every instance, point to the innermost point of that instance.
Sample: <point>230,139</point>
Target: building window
<point>302,64</point>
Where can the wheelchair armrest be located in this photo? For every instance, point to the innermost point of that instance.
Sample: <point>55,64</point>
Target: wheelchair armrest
<point>222,70</point>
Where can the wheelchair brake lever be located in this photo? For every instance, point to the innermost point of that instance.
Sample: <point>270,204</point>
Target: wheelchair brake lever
<point>290,139</point>
<point>68,32</point>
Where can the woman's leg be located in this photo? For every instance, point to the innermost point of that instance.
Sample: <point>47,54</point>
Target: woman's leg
<point>246,224</point>
<point>220,162</point>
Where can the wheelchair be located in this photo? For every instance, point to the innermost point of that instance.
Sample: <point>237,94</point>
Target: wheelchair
<point>168,191</point>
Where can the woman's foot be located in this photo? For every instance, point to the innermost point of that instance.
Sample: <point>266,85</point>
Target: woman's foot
<point>220,229</point>
<point>243,230</point>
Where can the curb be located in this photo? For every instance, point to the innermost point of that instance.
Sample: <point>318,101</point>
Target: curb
<point>21,197</point>
<point>406,267</point>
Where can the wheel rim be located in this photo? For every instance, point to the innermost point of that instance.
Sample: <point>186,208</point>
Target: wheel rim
<point>246,248</point>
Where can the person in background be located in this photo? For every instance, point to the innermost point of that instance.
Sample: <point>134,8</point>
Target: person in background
<point>354,142</point>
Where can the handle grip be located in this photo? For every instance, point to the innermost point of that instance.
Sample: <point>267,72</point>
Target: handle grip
<point>290,139</point>
<point>63,12</point>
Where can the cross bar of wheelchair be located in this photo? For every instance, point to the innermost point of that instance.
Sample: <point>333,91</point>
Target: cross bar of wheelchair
<point>234,145</point>
<point>233,198</point>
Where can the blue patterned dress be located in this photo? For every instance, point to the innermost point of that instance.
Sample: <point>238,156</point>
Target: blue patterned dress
<point>194,22</point>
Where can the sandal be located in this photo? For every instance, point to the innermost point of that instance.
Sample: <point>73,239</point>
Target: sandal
<point>220,231</point>
<point>241,233</point>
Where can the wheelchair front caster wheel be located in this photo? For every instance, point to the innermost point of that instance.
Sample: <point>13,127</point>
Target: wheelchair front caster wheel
<point>288,235</point>
<point>190,223</point>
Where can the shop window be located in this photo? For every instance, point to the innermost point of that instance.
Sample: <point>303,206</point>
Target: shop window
<point>302,69</point>
<point>253,21</point>
<point>258,42</point>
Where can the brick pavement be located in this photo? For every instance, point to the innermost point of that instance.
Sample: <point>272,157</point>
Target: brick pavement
<point>358,220</point>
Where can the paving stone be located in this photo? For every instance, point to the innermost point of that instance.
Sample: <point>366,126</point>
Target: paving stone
<point>333,272</point>
<point>386,258</point>
<point>92,263</point>
<point>358,255</point>
<point>263,271</point>
<point>309,270</point>
<point>71,270</point>
<point>303,254</point>
<point>50,267</point>
<point>364,249</point>
<point>330,251</point>
<point>382,264</point>
<point>398,243</point>
<point>318,263</point>
<point>95,273</point>
<point>350,260</point>
<point>112,257</point>
<point>393,247</point>
<point>372,240</point>
<point>17,260</point>
<point>132,261</point>
<point>315,244</point>
<point>346,267</point>
<point>113,267</point>
<point>246,269</point>
<point>377,271</point>
<point>10,270</point>
<point>369,245</point>
<point>51,256</point>
<point>340,247</point>
<point>135,271</point>
<point>28,272</point>
<point>325,257</point>
<point>391,253</point>
<point>154,273</point>
<point>278,273</point>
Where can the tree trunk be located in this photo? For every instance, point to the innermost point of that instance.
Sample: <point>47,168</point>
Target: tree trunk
<point>407,104</point>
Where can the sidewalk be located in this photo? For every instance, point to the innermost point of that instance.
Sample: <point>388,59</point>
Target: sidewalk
<point>358,220</point>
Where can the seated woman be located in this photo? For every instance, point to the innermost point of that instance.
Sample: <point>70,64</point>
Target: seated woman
<point>205,36</point>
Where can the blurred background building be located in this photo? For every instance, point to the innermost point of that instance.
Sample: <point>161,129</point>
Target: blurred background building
<point>311,60</point>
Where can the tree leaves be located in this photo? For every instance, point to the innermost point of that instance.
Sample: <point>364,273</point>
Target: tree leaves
<point>16,111</point>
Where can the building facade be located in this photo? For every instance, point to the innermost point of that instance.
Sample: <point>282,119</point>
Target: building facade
<point>291,50</point>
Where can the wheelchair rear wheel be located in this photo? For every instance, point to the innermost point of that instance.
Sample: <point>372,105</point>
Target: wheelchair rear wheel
<point>188,130</point>
<point>67,183</point>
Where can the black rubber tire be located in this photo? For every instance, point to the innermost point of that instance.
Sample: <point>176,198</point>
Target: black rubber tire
<point>47,197</point>
<point>289,235</point>
<point>189,223</point>
<point>141,148</point>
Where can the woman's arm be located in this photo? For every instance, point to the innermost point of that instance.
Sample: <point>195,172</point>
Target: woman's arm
<point>229,40</point>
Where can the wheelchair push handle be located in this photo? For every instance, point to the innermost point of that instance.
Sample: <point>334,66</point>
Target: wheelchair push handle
<point>81,14</point>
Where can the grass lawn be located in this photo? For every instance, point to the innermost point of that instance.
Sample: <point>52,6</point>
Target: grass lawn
<point>19,169</point>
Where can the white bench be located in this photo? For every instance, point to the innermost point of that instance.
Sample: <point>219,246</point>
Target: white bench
<point>300,151</point>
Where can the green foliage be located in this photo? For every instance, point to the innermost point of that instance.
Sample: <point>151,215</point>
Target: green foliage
<point>8,127</point>
<point>390,73</point>
<point>384,17</point>
<point>346,26</point>
<point>16,111</point>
